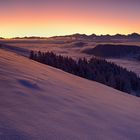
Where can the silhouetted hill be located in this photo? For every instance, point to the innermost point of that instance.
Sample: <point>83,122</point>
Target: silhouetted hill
<point>134,36</point>
<point>31,37</point>
<point>117,37</point>
<point>110,50</point>
<point>92,37</point>
<point>79,44</point>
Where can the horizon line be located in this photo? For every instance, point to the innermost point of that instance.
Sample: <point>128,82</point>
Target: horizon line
<point>29,36</point>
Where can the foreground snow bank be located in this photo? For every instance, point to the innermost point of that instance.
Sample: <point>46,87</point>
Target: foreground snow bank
<point>41,102</point>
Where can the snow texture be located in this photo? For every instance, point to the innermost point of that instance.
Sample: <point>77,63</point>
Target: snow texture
<point>38,102</point>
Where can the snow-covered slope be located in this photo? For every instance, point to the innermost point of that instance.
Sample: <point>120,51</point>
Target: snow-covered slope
<point>38,102</point>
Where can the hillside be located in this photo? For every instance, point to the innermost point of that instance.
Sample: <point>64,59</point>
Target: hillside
<point>114,51</point>
<point>41,102</point>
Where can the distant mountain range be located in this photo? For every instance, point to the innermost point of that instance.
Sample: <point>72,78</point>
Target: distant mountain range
<point>117,37</point>
<point>31,37</point>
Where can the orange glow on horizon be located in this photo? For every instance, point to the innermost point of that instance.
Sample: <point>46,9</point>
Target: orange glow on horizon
<point>64,21</point>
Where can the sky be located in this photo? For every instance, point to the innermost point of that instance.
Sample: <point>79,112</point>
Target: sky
<point>47,18</point>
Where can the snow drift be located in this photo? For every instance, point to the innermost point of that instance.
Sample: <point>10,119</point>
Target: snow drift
<point>41,102</point>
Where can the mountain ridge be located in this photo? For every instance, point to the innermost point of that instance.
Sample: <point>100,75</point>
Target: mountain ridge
<point>92,36</point>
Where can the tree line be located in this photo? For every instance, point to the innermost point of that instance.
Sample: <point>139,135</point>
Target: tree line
<point>95,69</point>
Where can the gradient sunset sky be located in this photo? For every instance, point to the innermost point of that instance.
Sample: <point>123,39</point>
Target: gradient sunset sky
<point>63,17</point>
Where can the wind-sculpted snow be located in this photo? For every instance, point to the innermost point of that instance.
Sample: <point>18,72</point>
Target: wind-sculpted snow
<point>18,50</point>
<point>38,102</point>
<point>28,84</point>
